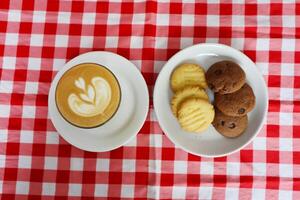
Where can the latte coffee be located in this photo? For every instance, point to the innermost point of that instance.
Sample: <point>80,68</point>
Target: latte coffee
<point>87,95</point>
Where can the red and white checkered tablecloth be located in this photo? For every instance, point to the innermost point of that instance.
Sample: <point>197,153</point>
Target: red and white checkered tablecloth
<point>37,38</point>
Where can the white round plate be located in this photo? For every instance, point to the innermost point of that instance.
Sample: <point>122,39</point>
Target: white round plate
<point>127,121</point>
<point>209,143</point>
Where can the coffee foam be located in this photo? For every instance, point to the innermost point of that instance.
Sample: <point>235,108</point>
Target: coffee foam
<point>87,95</point>
<point>93,99</point>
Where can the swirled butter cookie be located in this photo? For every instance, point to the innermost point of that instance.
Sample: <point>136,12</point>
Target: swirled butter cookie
<point>195,115</point>
<point>188,74</point>
<point>185,93</point>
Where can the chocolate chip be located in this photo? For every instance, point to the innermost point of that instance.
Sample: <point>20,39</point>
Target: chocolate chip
<point>231,125</point>
<point>225,89</point>
<point>218,72</point>
<point>222,123</point>
<point>241,111</point>
<point>211,86</point>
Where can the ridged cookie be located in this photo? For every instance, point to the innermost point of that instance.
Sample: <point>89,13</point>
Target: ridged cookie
<point>185,93</point>
<point>195,115</point>
<point>188,74</point>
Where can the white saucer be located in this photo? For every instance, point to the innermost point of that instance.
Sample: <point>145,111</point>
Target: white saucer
<point>127,121</point>
<point>209,143</point>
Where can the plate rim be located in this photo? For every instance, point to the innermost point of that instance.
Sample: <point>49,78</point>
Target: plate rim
<point>142,116</point>
<point>215,45</point>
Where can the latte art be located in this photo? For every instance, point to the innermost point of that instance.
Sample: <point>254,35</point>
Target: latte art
<point>93,99</point>
<point>88,95</point>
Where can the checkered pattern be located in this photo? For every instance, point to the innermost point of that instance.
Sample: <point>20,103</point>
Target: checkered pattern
<point>37,38</point>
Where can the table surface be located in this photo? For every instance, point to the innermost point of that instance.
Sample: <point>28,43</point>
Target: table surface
<point>37,38</point>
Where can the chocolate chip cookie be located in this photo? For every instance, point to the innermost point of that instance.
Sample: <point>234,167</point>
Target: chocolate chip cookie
<point>225,77</point>
<point>229,126</point>
<point>238,103</point>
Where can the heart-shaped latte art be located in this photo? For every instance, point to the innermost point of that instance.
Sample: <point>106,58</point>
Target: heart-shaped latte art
<point>93,98</point>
